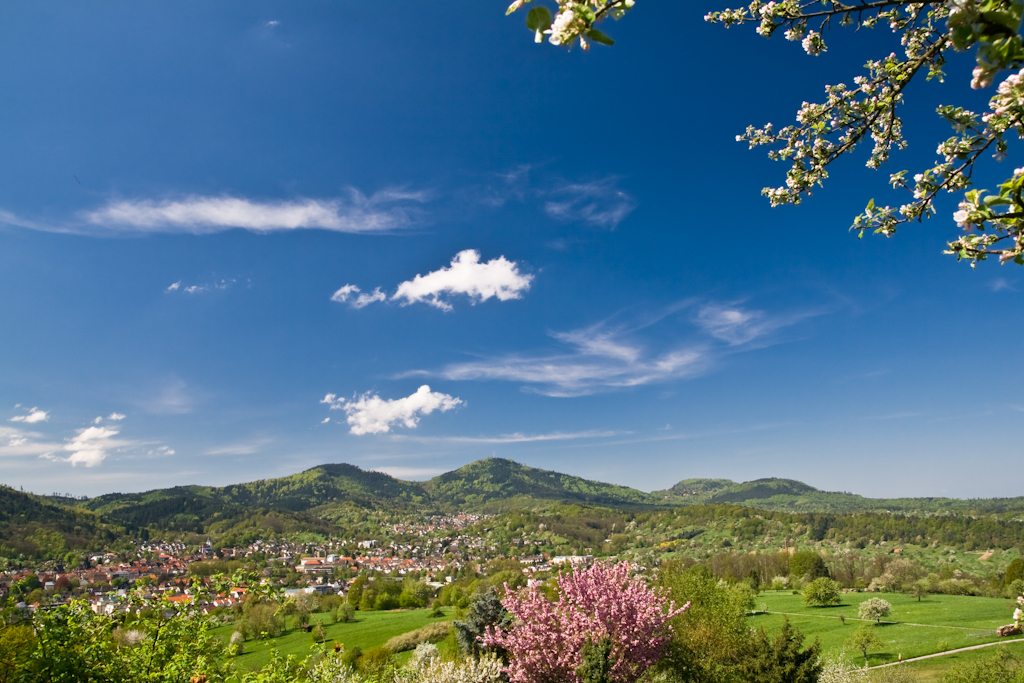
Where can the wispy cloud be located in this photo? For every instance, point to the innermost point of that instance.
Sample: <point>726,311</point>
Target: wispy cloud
<point>381,212</point>
<point>370,414</point>
<point>1001,284</point>
<point>17,443</point>
<point>33,416</point>
<point>352,295</point>
<point>510,438</point>
<point>604,357</point>
<point>600,203</point>
<point>242,448</point>
<point>223,283</point>
<point>173,398</point>
<point>498,278</point>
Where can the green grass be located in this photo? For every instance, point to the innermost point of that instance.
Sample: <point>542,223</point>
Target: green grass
<point>368,630</point>
<point>947,622</point>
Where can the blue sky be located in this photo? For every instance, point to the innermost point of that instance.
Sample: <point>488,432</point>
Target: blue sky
<point>196,195</point>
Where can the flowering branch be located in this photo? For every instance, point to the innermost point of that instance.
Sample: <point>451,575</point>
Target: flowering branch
<point>825,131</point>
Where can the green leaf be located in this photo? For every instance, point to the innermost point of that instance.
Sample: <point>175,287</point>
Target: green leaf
<point>599,37</point>
<point>538,19</point>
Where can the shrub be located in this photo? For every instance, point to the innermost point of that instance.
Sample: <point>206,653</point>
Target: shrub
<point>431,633</point>
<point>874,608</point>
<point>261,621</point>
<point>1014,572</point>
<point>236,645</point>
<point>837,669</point>
<point>822,592</point>
<point>376,661</point>
<point>345,612</point>
<point>486,669</point>
<point>422,656</point>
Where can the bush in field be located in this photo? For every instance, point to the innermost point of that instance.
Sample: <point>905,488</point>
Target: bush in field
<point>822,592</point>
<point>261,621</point>
<point>431,633</point>
<point>345,613</point>
<point>1014,572</point>
<point>874,608</point>
<point>331,669</point>
<point>546,640</point>
<point>780,583</point>
<point>1014,589</point>
<point>236,645</point>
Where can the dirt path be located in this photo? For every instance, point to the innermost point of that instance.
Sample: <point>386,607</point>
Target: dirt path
<point>948,652</point>
<point>907,623</point>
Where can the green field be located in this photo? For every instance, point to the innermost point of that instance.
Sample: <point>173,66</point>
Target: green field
<point>936,624</point>
<point>368,630</point>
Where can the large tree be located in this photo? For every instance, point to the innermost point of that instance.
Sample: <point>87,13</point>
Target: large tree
<point>868,110</point>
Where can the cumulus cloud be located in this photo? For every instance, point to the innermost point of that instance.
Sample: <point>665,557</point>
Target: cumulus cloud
<point>600,203</point>
<point>370,414</point>
<point>34,415</point>
<point>381,212</point>
<point>498,278</point>
<point>351,295</point>
<point>91,446</point>
<point>174,286</point>
<point>467,275</point>
<point>116,417</point>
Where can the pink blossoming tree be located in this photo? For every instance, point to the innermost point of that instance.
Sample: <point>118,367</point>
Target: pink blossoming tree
<point>600,604</point>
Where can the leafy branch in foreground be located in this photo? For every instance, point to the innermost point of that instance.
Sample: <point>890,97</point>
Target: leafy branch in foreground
<point>993,223</point>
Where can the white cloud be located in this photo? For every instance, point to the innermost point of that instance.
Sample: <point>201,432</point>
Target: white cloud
<point>223,283</point>
<point>116,416</point>
<point>244,448</point>
<point>174,286</point>
<point>370,414</point>
<point>601,357</point>
<point>382,212</point>
<point>1001,284</point>
<point>34,415</point>
<point>273,22</point>
<point>599,203</point>
<point>17,443</point>
<point>345,295</point>
<point>738,326</point>
<point>512,438</point>
<point>480,281</point>
<point>91,446</point>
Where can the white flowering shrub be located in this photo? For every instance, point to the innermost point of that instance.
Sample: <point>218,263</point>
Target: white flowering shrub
<point>331,669</point>
<point>874,608</point>
<point>487,669</point>
<point>868,110</point>
<point>1018,614</point>
<point>422,656</point>
<point>836,669</point>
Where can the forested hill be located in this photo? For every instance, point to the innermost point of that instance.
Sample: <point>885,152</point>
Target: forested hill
<point>323,497</point>
<point>795,496</point>
<point>497,483</point>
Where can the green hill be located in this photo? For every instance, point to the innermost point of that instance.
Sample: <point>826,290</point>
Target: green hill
<point>494,480</point>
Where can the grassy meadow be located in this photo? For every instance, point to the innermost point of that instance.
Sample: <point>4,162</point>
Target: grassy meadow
<point>935,624</point>
<point>368,630</point>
